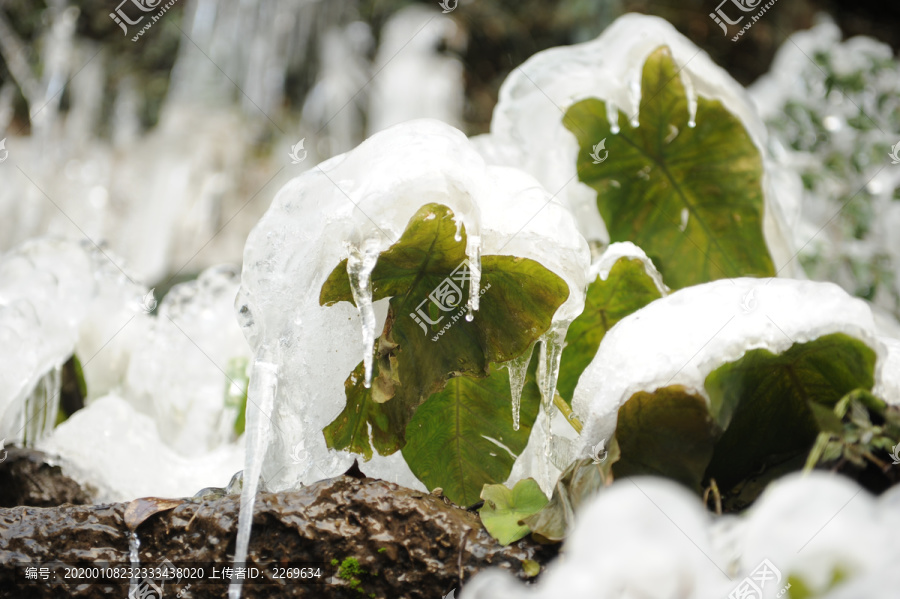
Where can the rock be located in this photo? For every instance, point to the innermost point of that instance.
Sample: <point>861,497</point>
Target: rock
<point>28,478</point>
<point>380,539</point>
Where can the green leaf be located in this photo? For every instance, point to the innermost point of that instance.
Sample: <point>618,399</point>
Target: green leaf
<point>504,508</point>
<point>462,438</point>
<point>413,360</point>
<point>664,171</point>
<point>578,483</point>
<point>668,432</point>
<point>765,401</point>
<point>627,289</point>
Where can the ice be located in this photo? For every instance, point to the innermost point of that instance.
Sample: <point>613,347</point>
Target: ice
<point>681,338</point>
<point>836,140</point>
<point>263,387</point>
<point>50,293</point>
<point>651,538</point>
<point>366,197</point>
<point>359,270</point>
<point>527,129</point>
<point>518,370</point>
<point>134,560</point>
<point>603,264</point>
<point>414,79</point>
<point>113,449</point>
<point>178,370</point>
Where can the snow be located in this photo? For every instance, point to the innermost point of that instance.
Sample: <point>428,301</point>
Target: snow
<point>651,538</point>
<point>680,339</point>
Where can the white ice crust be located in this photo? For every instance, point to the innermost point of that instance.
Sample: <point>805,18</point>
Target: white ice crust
<point>115,450</point>
<point>680,339</point>
<point>527,129</point>
<point>651,538</point>
<point>362,201</point>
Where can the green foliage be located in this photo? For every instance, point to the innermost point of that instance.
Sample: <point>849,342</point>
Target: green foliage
<point>504,509</point>
<point>669,432</point>
<point>450,369</point>
<point>764,414</point>
<point>690,196</point>
<point>462,438</point>
<point>628,288</point>
<point>237,384</point>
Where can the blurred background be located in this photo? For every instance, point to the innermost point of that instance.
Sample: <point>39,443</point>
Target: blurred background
<point>165,144</point>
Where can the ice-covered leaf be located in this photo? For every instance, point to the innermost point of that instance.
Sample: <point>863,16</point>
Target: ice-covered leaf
<point>765,401</point>
<point>627,289</point>
<point>582,480</point>
<point>690,194</point>
<point>669,432</point>
<point>462,437</point>
<point>426,337</point>
<point>504,508</point>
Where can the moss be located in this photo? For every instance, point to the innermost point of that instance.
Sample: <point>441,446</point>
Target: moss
<point>350,570</point>
<point>382,549</point>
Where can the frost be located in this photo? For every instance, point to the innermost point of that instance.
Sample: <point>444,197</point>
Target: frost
<point>668,545</point>
<point>527,129</point>
<point>680,339</point>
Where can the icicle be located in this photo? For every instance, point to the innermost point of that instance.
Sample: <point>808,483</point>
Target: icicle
<point>634,91</point>
<point>691,96</point>
<point>42,406</point>
<point>684,219</point>
<point>260,403</point>
<point>458,235</point>
<point>612,115</point>
<point>548,373</point>
<point>359,269</point>
<point>473,253</point>
<point>134,543</point>
<point>518,368</point>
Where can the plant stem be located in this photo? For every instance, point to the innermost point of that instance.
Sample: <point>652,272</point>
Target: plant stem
<point>571,418</point>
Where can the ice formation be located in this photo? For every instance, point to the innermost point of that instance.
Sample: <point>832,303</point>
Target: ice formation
<point>527,129</point>
<point>57,297</point>
<point>117,452</point>
<point>680,339</point>
<point>651,538</point>
<point>361,202</point>
<point>179,372</point>
<point>837,136</point>
<point>143,373</point>
<point>414,79</point>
